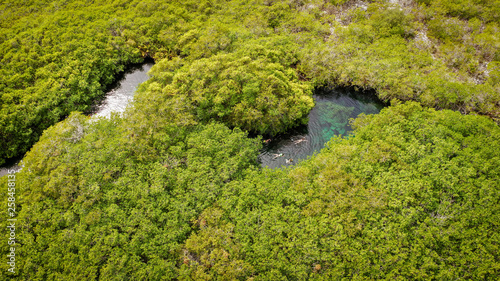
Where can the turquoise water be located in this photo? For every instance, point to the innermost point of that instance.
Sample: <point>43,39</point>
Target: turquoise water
<point>330,117</point>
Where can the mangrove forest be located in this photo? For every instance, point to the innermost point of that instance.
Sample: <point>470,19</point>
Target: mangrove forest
<point>250,140</point>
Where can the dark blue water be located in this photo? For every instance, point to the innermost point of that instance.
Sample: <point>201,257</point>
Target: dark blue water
<point>334,108</point>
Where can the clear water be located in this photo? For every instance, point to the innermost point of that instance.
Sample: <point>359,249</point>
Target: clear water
<point>334,108</point>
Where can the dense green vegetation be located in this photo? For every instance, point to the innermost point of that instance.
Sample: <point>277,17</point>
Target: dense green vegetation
<point>415,53</point>
<point>254,94</point>
<point>173,189</point>
<point>402,199</point>
<point>57,57</point>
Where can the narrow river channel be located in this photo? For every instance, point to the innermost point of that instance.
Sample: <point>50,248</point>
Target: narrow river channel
<point>121,92</point>
<point>117,97</point>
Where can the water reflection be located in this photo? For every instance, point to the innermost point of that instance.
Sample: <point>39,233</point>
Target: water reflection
<point>122,91</point>
<point>330,116</point>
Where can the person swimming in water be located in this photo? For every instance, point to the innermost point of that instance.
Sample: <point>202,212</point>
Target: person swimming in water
<point>277,155</point>
<point>300,140</point>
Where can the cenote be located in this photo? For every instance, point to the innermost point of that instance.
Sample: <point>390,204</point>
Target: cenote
<point>330,117</point>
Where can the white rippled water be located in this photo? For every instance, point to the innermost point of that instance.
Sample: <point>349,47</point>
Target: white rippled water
<point>123,92</point>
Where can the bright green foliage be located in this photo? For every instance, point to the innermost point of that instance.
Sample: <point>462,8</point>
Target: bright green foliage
<point>59,56</point>
<point>51,66</point>
<point>254,94</point>
<point>211,252</point>
<point>384,48</point>
<point>402,199</point>
<point>412,195</point>
<point>99,204</point>
<point>172,190</point>
<point>467,9</point>
<point>339,2</point>
<point>390,22</point>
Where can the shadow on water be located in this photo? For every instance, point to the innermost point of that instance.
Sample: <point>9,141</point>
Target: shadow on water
<point>117,96</point>
<point>9,165</point>
<point>330,117</point>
